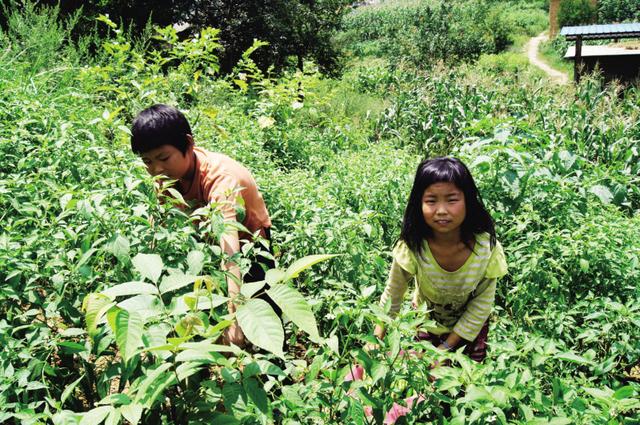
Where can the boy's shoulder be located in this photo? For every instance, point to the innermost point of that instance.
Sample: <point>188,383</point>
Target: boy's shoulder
<point>216,165</point>
<point>209,159</point>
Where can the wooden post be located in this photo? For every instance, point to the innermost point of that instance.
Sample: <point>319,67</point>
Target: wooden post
<point>554,6</point>
<point>577,60</point>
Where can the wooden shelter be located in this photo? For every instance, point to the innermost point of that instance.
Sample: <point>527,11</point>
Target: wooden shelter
<point>617,61</point>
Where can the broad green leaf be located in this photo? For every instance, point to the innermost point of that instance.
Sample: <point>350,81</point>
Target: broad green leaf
<point>113,418</point>
<point>296,309</point>
<point>149,266</point>
<point>208,347</point>
<point>624,392</point>
<point>156,336</point>
<point>356,412</point>
<point>85,257</point>
<point>333,343</point>
<point>394,342</point>
<point>474,393</point>
<point>292,395</point>
<point>71,332</point>
<point>127,327</point>
<point>304,263</point>
<point>120,247</point>
<point>147,306</point>
<point>482,163</point>
<point>130,288</point>
<point>156,388</point>
<point>600,394</point>
<point>96,416</point>
<point>115,399</point>
<point>560,421</point>
<point>195,261</point>
<point>200,357</point>
<point>603,193</point>
<point>67,391</point>
<point>187,369</point>
<point>314,369</point>
<point>574,358</point>
<point>262,367</point>
<point>151,377</point>
<point>95,306</point>
<point>132,412</point>
<point>64,417</point>
<point>222,419</point>
<point>235,398</point>
<point>249,289</point>
<point>176,281</point>
<point>261,325</point>
<point>273,276</point>
<point>256,394</point>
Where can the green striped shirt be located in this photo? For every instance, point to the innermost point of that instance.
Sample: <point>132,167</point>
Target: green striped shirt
<point>459,301</point>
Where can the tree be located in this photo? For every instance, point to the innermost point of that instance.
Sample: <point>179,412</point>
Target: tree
<point>297,29</point>
<point>293,28</point>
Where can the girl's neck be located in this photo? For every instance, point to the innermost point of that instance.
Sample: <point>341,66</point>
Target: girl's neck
<point>449,239</point>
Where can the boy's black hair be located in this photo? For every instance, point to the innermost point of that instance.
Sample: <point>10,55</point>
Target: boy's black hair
<point>159,125</point>
<point>448,170</point>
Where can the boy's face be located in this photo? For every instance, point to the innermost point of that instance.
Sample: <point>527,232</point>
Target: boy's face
<point>167,160</point>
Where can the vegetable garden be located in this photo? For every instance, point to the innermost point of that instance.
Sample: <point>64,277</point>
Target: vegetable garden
<point>112,301</point>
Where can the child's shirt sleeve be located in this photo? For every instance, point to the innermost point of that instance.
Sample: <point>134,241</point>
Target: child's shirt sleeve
<point>403,269</point>
<point>482,299</point>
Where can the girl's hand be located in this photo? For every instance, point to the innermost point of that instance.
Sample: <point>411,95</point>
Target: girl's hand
<point>379,333</point>
<point>371,346</point>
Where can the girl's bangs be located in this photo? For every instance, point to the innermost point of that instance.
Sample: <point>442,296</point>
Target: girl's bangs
<point>444,171</point>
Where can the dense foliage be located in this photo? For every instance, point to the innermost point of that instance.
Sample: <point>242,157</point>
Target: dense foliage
<point>618,11</point>
<point>576,12</point>
<point>427,32</point>
<point>558,167</point>
<point>298,28</point>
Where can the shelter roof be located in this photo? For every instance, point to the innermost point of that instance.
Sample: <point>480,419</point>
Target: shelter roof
<point>595,32</point>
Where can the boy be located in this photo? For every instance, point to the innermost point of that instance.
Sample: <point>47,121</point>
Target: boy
<point>161,135</point>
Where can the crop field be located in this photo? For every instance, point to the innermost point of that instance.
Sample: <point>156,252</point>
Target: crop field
<point>112,301</point>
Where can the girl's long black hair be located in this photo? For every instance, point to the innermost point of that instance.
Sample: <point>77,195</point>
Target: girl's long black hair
<point>445,170</point>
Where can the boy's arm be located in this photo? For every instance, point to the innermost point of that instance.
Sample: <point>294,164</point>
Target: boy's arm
<point>230,244</point>
<point>222,193</point>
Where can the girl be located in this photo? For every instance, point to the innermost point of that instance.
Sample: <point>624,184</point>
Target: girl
<point>448,247</point>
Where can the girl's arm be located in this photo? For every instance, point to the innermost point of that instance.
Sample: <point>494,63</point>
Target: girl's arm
<point>477,312</point>
<point>397,285</point>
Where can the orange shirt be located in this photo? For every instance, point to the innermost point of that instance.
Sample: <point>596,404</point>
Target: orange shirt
<point>215,179</point>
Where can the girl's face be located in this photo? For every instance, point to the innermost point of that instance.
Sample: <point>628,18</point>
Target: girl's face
<point>443,208</point>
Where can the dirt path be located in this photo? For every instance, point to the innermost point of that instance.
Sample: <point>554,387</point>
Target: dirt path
<point>532,54</point>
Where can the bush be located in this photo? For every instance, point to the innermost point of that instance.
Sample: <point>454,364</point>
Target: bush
<point>576,12</point>
<point>618,11</point>
<point>426,32</point>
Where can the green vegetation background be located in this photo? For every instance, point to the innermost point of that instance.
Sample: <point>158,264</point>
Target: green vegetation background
<point>557,166</point>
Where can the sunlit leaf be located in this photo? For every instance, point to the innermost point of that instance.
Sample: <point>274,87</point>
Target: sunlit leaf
<point>304,263</point>
<point>149,266</point>
<point>95,307</point>
<point>261,325</point>
<point>127,327</point>
<point>296,308</point>
<point>176,281</point>
<point>130,288</point>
